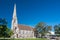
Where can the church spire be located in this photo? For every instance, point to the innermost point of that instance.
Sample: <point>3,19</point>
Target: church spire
<point>14,13</point>
<point>14,20</point>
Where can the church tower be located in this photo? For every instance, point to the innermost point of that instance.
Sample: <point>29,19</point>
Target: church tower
<point>14,25</point>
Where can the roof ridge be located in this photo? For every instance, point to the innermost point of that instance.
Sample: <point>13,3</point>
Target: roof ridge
<point>25,25</point>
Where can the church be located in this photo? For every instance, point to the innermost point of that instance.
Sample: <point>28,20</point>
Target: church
<point>20,31</point>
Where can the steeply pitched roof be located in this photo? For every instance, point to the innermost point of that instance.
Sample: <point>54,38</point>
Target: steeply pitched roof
<point>24,27</point>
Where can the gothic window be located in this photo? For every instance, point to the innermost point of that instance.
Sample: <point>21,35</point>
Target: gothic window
<point>21,31</point>
<point>25,32</point>
<point>15,28</point>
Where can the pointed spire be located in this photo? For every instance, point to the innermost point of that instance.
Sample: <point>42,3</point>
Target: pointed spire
<point>14,20</point>
<point>14,25</point>
<point>14,13</point>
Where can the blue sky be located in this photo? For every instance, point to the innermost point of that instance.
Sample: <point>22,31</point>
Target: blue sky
<point>30,12</point>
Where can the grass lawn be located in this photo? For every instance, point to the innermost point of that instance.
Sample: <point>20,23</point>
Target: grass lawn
<point>27,39</point>
<point>33,39</point>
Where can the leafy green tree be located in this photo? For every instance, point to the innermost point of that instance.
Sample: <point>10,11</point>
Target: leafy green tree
<point>4,30</point>
<point>42,28</point>
<point>57,29</point>
<point>9,32</point>
<point>3,27</point>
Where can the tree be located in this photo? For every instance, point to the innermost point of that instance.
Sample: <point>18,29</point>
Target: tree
<point>4,30</point>
<point>42,28</point>
<point>3,27</point>
<point>57,29</point>
<point>9,32</point>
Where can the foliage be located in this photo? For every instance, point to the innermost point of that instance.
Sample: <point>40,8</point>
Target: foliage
<point>10,32</point>
<point>4,30</point>
<point>57,29</point>
<point>42,28</point>
<point>3,27</point>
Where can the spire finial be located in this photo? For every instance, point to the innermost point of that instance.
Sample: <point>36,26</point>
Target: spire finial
<point>14,13</point>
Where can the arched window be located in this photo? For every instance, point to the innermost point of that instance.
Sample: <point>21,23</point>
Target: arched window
<point>15,28</point>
